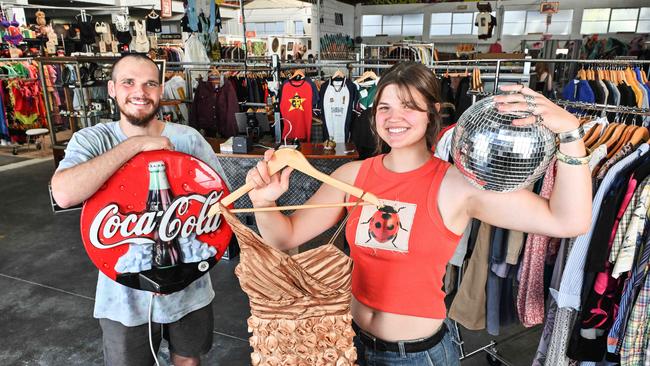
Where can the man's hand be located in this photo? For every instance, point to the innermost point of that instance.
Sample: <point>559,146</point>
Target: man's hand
<point>149,143</point>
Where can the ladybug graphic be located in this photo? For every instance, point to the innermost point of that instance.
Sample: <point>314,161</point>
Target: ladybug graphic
<point>384,225</point>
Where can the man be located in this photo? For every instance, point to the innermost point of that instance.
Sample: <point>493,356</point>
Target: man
<point>92,156</point>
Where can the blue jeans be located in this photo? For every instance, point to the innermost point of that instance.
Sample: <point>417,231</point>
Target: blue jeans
<point>445,353</point>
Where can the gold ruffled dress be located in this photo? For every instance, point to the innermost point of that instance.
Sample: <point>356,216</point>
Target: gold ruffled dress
<point>300,305</point>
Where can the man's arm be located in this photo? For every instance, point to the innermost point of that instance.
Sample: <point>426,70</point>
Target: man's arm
<point>76,184</point>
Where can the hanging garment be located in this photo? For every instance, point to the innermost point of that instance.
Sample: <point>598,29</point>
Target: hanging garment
<point>214,109</point>
<point>300,305</point>
<point>367,91</point>
<point>153,22</point>
<point>297,98</point>
<point>337,101</point>
<point>141,42</point>
<point>530,300</point>
<point>485,23</point>
<point>572,279</point>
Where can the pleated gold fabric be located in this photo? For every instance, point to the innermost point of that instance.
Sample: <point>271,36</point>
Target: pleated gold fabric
<point>300,305</point>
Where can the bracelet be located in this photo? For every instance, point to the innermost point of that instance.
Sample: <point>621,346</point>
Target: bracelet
<point>571,160</point>
<point>572,135</point>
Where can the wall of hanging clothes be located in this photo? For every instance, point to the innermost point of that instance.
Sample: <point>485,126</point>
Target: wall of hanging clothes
<point>21,100</point>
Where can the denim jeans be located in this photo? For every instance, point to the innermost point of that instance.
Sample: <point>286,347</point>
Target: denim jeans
<point>445,353</point>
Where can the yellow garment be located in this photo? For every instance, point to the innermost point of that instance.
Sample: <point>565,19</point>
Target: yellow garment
<point>300,305</point>
<point>26,120</point>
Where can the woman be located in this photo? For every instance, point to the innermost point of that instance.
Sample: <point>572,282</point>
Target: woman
<point>544,83</point>
<point>400,253</point>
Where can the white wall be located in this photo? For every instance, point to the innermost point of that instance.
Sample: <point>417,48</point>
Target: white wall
<point>509,43</point>
<point>328,8</point>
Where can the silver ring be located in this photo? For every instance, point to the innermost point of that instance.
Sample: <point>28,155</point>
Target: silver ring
<point>530,103</point>
<point>539,119</point>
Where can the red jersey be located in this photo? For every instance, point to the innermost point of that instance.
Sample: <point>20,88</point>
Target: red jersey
<point>400,252</point>
<point>296,100</point>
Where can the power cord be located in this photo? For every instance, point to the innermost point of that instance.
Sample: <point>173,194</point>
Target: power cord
<point>153,352</point>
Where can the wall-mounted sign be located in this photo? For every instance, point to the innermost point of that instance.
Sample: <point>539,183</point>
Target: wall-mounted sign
<point>165,8</point>
<point>549,7</point>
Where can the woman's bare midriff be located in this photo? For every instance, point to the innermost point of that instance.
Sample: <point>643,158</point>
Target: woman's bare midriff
<point>393,327</point>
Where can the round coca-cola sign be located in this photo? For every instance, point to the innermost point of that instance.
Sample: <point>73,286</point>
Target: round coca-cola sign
<point>148,228</point>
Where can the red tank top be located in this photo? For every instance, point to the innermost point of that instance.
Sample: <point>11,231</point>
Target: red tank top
<point>400,253</point>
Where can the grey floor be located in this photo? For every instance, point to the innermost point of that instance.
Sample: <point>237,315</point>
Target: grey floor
<point>47,285</point>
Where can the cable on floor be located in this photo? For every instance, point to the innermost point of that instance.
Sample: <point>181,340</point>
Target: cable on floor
<point>153,352</point>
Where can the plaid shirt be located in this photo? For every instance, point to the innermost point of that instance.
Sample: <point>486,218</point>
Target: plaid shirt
<point>630,227</point>
<point>636,335</point>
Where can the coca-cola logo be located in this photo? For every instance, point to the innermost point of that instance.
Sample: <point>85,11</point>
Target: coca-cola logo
<point>117,224</point>
<point>139,228</point>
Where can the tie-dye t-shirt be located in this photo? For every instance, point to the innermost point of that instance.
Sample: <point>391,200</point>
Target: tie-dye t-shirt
<point>124,304</point>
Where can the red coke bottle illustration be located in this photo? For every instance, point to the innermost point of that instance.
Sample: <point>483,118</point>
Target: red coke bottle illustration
<point>164,253</point>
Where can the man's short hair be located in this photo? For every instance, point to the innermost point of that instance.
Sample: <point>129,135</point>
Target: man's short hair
<point>137,56</point>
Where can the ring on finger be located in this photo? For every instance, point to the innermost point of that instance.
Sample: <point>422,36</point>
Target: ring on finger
<point>539,119</point>
<point>530,103</point>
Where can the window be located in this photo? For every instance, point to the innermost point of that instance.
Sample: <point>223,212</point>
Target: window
<point>266,28</point>
<point>338,18</point>
<point>535,22</point>
<point>644,21</point>
<point>514,22</point>
<point>520,22</point>
<point>623,20</point>
<point>299,27</point>
<point>412,24</point>
<point>370,25</point>
<point>169,27</point>
<point>440,24</point>
<point>595,21</point>
<point>462,23</point>
<point>560,22</point>
<point>392,25</point>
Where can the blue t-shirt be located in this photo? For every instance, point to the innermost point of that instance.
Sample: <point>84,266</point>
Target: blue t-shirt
<point>124,304</point>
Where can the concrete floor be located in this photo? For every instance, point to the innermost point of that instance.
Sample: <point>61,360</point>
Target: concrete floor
<point>47,285</point>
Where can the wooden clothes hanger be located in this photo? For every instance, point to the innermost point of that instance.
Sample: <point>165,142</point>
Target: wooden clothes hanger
<point>338,74</point>
<point>297,73</point>
<point>593,134</point>
<point>367,75</point>
<point>640,135</point>
<point>613,139</point>
<point>625,137</point>
<point>604,136</point>
<point>286,157</point>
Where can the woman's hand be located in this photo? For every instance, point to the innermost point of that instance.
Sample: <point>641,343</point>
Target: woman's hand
<point>267,188</point>
<point>542,110</point>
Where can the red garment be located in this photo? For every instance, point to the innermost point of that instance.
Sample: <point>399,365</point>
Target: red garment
<point>296,99</point>
<point>495,48</point>
<point>402,282</point>
<point>530,299</point>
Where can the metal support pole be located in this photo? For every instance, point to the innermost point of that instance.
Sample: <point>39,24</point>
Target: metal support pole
<point>317,24</point>
<point>243,26</point>
<point>496,76</point>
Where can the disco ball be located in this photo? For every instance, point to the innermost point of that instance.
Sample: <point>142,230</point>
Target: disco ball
<point>497,156</point>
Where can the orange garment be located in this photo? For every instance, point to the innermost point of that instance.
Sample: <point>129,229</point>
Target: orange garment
<point>385,276</point>
<point>300,305</point>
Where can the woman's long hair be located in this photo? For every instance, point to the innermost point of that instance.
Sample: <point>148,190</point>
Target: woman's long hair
<point>410,77</point>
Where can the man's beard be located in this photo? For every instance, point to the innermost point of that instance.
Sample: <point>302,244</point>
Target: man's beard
<point>142,120</point>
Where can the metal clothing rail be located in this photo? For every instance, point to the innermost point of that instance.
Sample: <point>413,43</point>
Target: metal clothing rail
<point>603,107</point>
